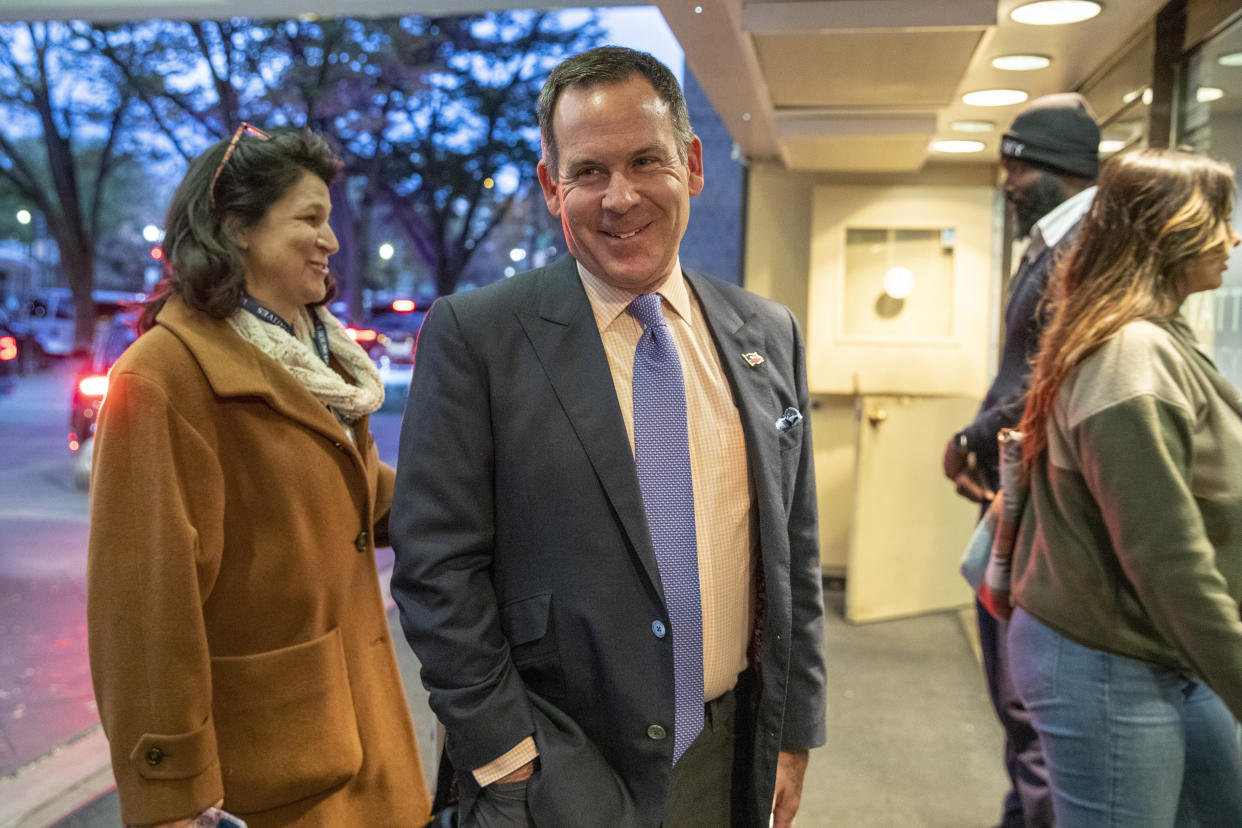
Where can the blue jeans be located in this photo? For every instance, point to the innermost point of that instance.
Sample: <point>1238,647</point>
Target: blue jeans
<point>1128,744</point>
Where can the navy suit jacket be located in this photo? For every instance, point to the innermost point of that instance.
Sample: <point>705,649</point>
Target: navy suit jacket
<point>525,575</point>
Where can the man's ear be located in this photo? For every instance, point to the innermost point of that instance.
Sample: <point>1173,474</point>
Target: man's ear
<point>551,188</point>
<point>694,162</point>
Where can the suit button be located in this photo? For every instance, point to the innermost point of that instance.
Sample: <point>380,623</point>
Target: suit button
<point>657,627</point>
<point>154,756</point>
<point>360,542</point>
<point>656,732</point>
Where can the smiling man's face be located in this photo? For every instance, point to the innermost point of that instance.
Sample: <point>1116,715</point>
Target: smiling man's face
<point>622,191</point>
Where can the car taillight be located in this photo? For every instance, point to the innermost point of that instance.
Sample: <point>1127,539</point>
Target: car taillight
<point>8,348</point>
<point>93,386</point>
<point>361,334</point>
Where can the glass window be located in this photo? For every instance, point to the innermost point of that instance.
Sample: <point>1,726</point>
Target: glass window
<point>1210,121</point>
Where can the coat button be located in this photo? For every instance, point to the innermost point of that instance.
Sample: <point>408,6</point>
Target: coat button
<point>360,542</point>
<point>154,756</point>
<point>657,627</point>
<point>656,732</point>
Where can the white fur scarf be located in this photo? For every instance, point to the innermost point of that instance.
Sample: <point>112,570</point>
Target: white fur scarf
<point>297,354</point>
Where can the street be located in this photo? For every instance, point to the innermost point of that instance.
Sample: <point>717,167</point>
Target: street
<point>45,689</point>
<point>46,699</point>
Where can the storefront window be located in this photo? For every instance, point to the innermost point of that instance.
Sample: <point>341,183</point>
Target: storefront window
<point>1210,121</point>
<point>1120,94</point>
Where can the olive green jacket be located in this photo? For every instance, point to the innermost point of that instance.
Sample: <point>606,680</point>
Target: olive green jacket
<point>1135,546</point>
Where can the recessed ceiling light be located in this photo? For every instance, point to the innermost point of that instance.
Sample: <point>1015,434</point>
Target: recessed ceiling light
<point>1231,59</point>
<point>1055,12</point>
<point>1021,63</point>
<point>994,97</point>
<point>1111,145</point>
<point>1204,94</point>
<point>972,126</point>
<point>957,146</point>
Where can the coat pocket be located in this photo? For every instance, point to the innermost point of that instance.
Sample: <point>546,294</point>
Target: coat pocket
<point>285,724</point>
<point>527,624</point>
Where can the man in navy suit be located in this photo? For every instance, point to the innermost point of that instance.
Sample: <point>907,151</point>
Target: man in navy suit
<point>532,573</point>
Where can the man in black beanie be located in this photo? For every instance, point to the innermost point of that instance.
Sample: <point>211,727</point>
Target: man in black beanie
<point>1050,159</point>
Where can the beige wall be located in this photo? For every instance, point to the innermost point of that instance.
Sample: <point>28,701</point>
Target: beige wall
<point>778,264</point>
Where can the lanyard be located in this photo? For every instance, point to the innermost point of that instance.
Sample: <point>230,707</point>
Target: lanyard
<point>254,306</point>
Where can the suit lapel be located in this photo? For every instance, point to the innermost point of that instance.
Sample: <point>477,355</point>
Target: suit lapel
<point>566,340</point>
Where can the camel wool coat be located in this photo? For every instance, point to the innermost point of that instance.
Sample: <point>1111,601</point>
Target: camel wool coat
<point>238,642</point>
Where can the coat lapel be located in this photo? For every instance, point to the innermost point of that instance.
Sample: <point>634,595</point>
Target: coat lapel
<point>235,368</point>
<point>563,333</point>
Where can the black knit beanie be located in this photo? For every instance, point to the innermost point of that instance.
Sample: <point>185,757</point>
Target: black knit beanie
<point>1058,132</point>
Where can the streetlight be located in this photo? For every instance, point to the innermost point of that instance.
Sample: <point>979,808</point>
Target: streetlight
<point>152,233</point>
<point>386,251</point>
<point>24,218</point>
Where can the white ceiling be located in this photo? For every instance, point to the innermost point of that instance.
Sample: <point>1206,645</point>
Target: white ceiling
<point>821,85</point>
<point>867,85</point>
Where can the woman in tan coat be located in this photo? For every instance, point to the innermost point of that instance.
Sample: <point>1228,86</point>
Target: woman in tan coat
<point>239,646</point>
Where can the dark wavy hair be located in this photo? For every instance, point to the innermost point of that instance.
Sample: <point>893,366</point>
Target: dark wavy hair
<point>606,65</point>
<point>202,263</point>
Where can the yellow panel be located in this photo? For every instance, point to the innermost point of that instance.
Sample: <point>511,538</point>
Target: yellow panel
<point>954,363</point>
<point>909,526</point>
<point>833,432</point>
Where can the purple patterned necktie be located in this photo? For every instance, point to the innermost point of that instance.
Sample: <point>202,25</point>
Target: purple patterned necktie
<point>662,455</point>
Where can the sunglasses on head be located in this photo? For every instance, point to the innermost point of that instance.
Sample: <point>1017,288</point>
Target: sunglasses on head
<point>243,129</point>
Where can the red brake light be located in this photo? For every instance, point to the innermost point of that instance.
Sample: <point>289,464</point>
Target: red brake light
<point>8,348</point>
<point>403,305</point>
<point>361,334</point>
<point>93,386</point>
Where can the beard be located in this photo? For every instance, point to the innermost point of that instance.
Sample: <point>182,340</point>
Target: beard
<point>1036,201</point>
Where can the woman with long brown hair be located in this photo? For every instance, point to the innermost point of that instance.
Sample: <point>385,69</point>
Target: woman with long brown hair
<point>1126,642</point>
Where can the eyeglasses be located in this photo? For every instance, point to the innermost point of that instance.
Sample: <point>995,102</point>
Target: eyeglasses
<point>243,129</point>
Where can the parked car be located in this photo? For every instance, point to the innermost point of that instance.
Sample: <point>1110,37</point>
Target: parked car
<point>390,336</point>
<point>90,387</point>
<point>50,315</point>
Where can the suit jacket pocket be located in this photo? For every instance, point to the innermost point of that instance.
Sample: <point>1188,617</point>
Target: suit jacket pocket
<point>527,624</point>
<point>285,724</point>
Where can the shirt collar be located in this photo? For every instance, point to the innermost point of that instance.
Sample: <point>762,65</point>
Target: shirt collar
<point>609,301</point>
<point>1065,215</point>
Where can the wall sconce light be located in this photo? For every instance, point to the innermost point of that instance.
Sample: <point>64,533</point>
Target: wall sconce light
<point>899,283</point>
